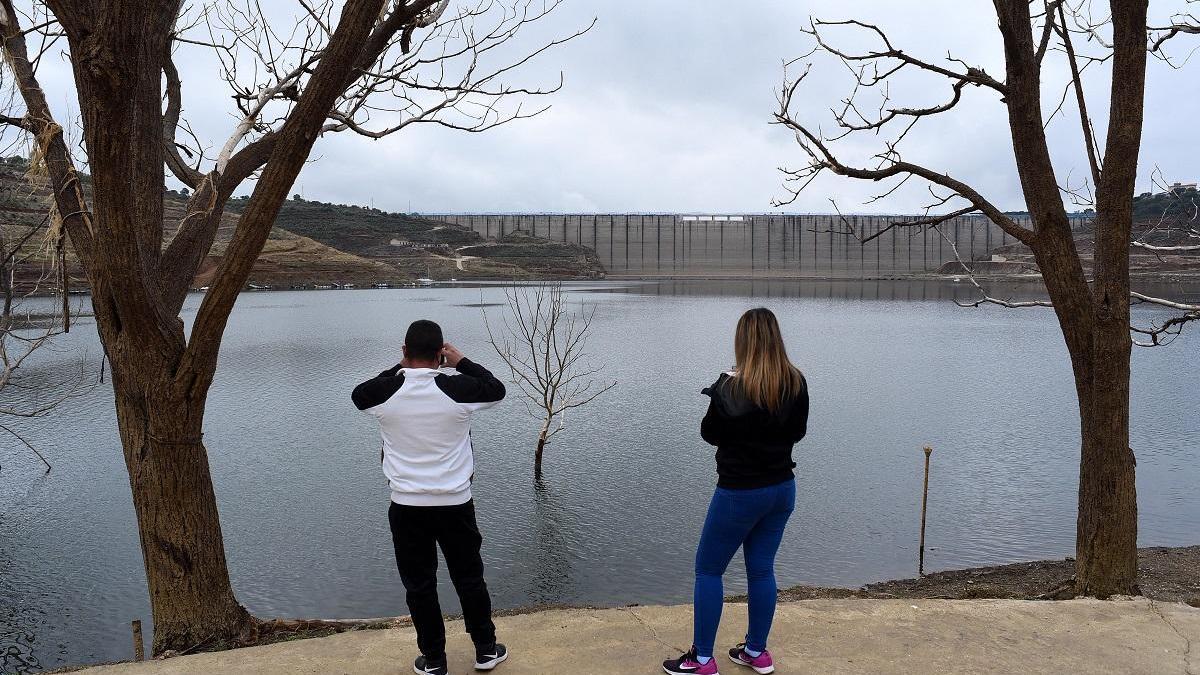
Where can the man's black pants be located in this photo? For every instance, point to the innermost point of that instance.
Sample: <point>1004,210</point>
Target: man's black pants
<point>417,531</point>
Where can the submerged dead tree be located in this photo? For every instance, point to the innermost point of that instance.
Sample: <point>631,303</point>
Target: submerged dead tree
<point>544,344</point>
<point>1092,305</point>
<point>371,67</point>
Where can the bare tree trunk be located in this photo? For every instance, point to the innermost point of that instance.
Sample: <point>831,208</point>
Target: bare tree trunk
<point>1106,529</point>
<point>191,599</point>
<point>1106,535</point>
<point>541,446</point>
<point>1100,346</point>
<point>1106,539</point>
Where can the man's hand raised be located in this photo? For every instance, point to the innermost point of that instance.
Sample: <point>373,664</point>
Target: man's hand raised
<point>451,354</point>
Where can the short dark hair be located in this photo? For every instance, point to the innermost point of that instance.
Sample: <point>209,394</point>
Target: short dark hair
<point>423,340</point>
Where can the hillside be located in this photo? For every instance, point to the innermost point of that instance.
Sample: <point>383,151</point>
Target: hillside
<point>421,247</point>
<point>1179,205</point>
<point>286,260</point>
<point>1163,219</point>
<point>315,244</point>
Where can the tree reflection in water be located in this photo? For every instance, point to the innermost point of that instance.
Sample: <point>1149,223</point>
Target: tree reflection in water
<point>551,578</point>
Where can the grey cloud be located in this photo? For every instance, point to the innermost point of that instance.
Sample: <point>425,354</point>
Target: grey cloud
<point>667,107</point>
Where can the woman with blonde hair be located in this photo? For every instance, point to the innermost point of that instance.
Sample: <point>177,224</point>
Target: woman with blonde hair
<point>755,415</point>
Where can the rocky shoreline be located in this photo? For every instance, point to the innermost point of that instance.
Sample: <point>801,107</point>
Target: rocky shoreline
<point>1169,574</point>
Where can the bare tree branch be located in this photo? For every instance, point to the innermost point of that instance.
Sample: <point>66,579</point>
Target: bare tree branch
<point>1181,24</point>
<point>52,149</point>
<point>968,75</point>
<point>1089,140</point>
<point>872,70</point>
<point>269,69</point>
<point>186,174</point>
<point>17,122</point>
<point>822,158</point>
<point>1048,27</point>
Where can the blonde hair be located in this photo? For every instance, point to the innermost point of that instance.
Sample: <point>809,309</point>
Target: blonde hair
<point>765,375</point>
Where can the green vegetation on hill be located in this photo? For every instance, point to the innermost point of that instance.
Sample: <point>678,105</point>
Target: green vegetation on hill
<point>1177,204</point>
<point>1165,219</point>
<point>422,247</point>
<point>361,229</point>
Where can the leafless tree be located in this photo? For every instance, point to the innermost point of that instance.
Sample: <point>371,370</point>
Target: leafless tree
<point>371,67</point>
<point>544,344</point>
<point>1092,305</point>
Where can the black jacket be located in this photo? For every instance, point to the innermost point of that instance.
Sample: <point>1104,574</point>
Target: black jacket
<point>754,445</point>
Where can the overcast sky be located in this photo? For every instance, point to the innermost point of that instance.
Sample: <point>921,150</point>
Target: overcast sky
<point>667,107</point>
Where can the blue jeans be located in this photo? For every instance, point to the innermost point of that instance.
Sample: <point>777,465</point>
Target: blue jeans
<point>754,520</point>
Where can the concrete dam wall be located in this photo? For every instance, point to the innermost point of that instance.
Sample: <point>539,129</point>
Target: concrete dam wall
<point>822,246</point>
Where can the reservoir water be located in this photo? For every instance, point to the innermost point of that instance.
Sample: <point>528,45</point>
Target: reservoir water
<point>891,367</point>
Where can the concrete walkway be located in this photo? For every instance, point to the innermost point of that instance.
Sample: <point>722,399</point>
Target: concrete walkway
<point>813,636</point>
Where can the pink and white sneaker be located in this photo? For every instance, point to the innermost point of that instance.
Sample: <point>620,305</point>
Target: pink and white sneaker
<point>762,664</point>
<point>689,664</point>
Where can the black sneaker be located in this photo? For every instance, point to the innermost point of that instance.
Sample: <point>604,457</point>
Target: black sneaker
<point>689,664</point>
<point>486,659</point>
<point>427,666</point>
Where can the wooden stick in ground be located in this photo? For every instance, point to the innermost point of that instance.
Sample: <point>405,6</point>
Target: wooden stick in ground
<point>139,650</point>
<point>924,504</point>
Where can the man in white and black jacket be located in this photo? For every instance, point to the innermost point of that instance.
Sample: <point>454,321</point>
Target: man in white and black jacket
<point>424,412</point>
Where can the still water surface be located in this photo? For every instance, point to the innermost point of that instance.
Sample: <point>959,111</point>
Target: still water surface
<point>890,367</point>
